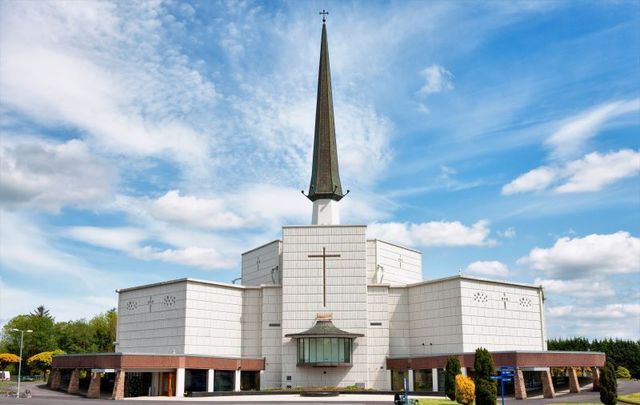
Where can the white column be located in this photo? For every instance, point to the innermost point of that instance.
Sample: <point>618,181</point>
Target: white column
<point>410,378</point>
<point>180,382</point>
<point>325,212</point>
<point>210,379</point>
<point>463,370</point>
<point>237,387</point>
<point>434,379</point>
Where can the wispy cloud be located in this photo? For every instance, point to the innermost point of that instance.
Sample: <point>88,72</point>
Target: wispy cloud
<point>205,258</point>
<point>591,173</point>
<point>82,65</point>
<point>27,249</point>
<point>434,233</point>
<point>436,80</point>
<point>491,268</point>
<point>601,321</point>
<point>123,239</point>
<point>572,136</point>
<point>49,175</point>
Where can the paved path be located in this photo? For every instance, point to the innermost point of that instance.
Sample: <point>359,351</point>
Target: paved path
<point>44,396</point>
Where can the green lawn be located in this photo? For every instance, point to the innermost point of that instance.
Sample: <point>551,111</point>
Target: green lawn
<point>435,401</point>
<point>631,398</point>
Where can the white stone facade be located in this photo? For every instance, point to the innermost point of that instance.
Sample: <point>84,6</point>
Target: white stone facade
<point>372,287</point>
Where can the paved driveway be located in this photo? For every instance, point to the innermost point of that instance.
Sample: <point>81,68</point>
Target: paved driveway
<point>44,396</point>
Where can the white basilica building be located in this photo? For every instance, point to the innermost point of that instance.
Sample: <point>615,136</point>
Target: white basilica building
<point>322,306</point>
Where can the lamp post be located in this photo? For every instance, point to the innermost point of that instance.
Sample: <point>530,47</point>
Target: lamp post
<point>20,363</point>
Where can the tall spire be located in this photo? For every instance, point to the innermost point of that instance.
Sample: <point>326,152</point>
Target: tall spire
<point>325,176</point>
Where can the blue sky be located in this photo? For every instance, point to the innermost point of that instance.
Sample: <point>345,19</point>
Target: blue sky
<point>148,141</point>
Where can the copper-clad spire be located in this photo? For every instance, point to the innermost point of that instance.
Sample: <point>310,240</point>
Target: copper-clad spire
<point>325,176</point>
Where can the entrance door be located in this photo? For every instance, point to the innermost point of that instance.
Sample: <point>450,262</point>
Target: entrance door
<point>168,388</point>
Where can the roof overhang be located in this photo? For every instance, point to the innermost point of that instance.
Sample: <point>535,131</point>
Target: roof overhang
<point>324,329</point>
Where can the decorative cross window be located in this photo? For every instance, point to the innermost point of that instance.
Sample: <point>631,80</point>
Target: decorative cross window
<point>169,301</point>
<point>480,297</point>
<point>400,261</point>
<point>504,299</point>
<point>525,302</point>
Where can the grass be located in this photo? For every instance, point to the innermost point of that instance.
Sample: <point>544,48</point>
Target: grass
<point>435,401</point>
<point>631,398</point>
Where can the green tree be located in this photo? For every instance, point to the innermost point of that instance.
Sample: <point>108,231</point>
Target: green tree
<point>42,312</point>
<point>609,385</point>
<point>104,330</point>
<point>624,353</point>
<point>75,336</point>
<point>41,339</point>
<point>486,391</point>
<point>453,369</point>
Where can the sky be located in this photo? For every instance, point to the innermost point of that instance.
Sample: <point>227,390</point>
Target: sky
<point>155,140</point>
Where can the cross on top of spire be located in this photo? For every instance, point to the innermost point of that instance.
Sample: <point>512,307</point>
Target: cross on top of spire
<point>324,15</point>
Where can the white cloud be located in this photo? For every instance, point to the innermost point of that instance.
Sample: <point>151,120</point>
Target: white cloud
<point>591,173</point>
<point>434,233</point>
<point>592,255</point>
<point>570,138</point>
<point>488,268</point>
<point>595,171</point>
<point>26,248</point>
<point>208,213</point>
<point>103,68</point>
<point>111,238</point>
<point>534,180</point>
<point>14,301</point>
<point>205,258</point>
<point>508,233</point>
<point>599,321</point>
<point>436,80</point>
<point>49,175</point>
<point>585,289</point>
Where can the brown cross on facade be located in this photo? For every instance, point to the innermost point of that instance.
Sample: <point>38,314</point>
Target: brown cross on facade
<point>150,302</point>
<point>324,257</point>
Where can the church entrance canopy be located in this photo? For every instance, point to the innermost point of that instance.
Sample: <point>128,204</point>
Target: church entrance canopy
<point>324,345</point>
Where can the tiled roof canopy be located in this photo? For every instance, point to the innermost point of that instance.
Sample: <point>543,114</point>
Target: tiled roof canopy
<point>324,329</point>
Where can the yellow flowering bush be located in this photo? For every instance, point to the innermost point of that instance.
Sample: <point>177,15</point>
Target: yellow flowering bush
<point>6,358</point>
<point>465,390</point>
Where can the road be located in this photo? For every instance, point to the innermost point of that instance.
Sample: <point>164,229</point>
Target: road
<point>44,396</point>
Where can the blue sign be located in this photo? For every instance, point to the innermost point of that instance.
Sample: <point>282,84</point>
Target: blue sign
<point>506,374</point>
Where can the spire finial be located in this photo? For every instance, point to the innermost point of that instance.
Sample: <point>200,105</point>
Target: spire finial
<point>324,15</point>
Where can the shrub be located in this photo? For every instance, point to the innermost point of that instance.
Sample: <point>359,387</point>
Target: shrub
<point>450,383</point>
<point>6,359</point>
<point>623,372</point>
<point>465,390</point>
<point>486,391</point>
<point>609,385</point>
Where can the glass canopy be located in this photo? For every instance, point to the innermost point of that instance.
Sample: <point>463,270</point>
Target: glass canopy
<point>324,351</point>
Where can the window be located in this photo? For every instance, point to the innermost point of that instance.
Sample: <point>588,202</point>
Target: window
<point>324,351</point>
<point>423,380</point>
<point>224,380</point>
